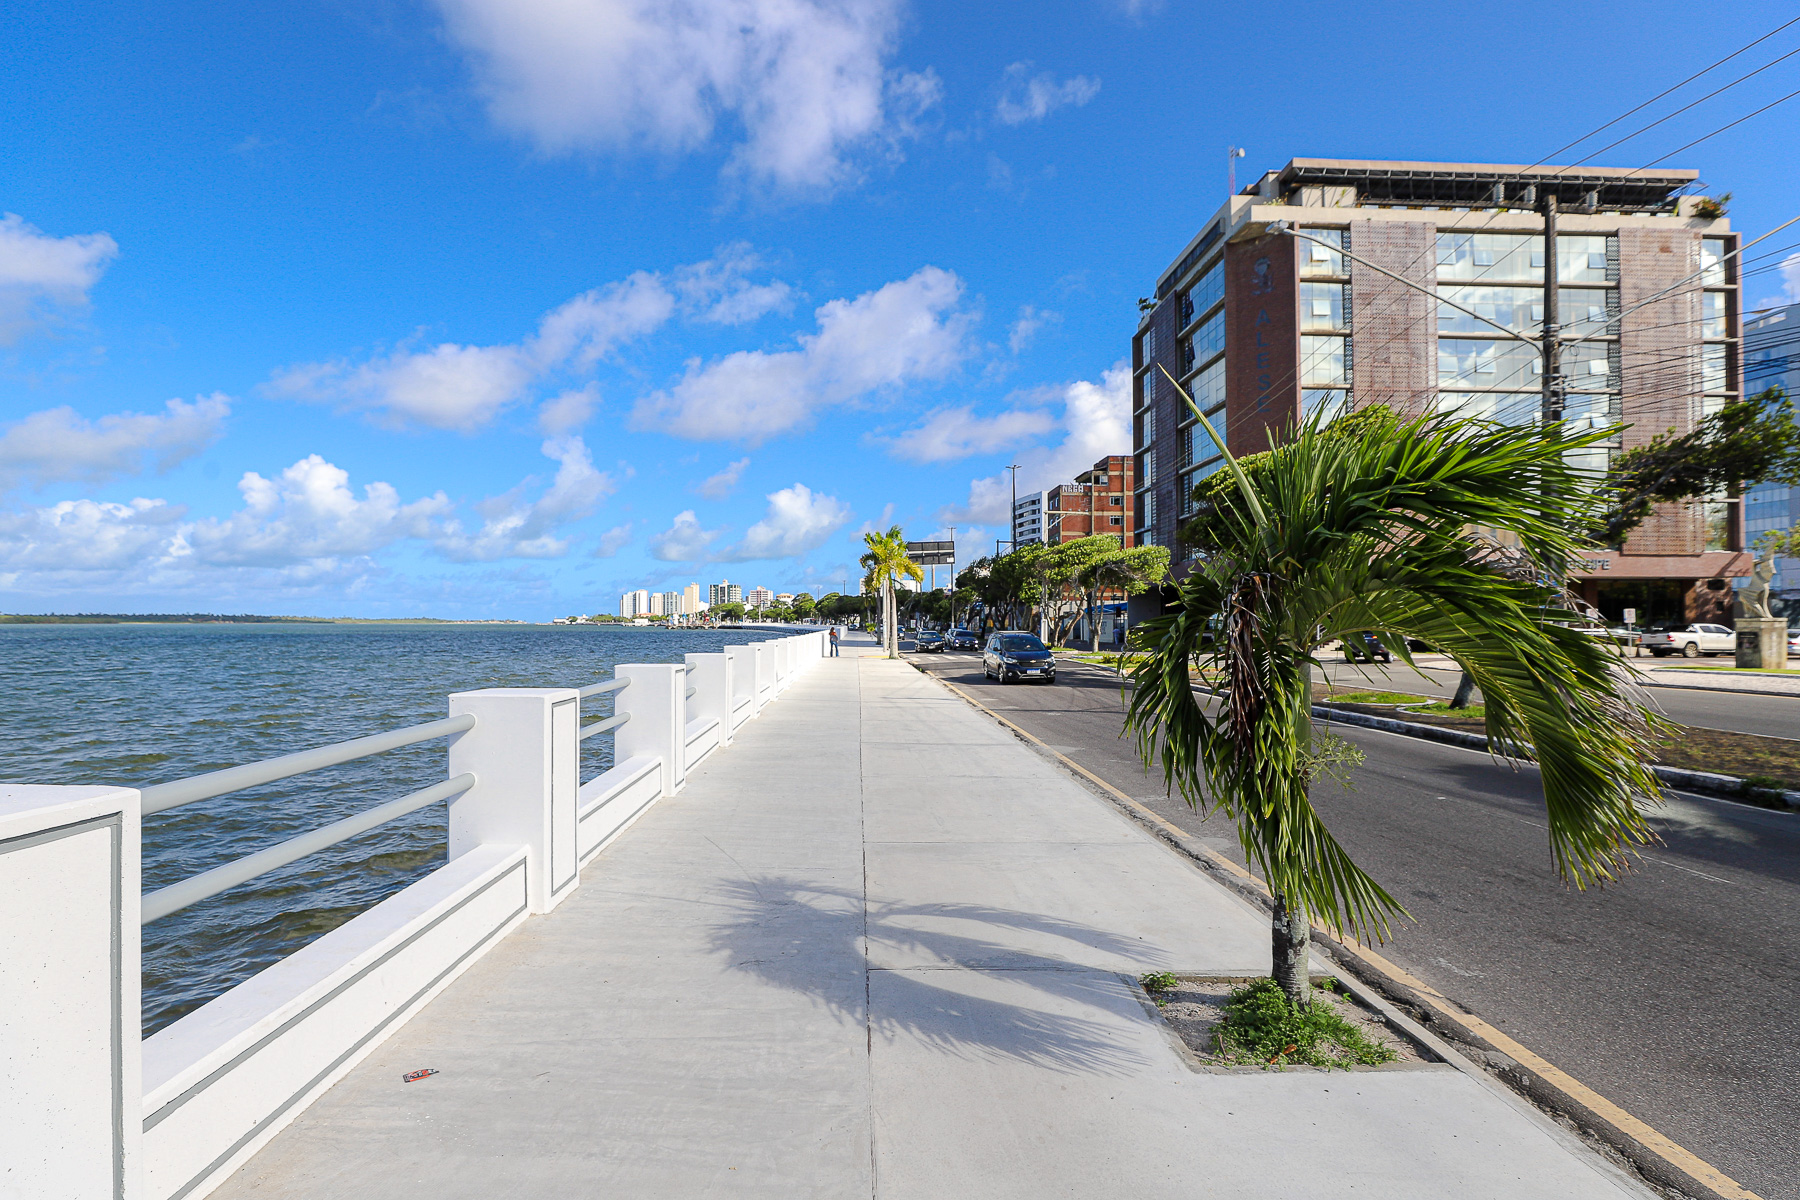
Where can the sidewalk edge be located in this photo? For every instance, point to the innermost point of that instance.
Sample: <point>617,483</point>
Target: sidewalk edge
<point>1659,1159</point>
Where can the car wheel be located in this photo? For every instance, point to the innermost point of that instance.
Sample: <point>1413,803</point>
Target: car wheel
<point>1691,650</point>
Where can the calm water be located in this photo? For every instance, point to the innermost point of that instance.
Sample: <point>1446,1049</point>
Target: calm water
<point>141,704</point>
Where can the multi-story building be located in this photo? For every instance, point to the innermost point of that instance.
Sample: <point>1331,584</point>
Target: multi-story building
<point>635,604</point>
<point>1028,520</point>
<point>690,599</point>
<point>759,597</point>
<point>1772,359</point>
<point>784,597</point>
<point>724,592</point>
<point>1101,500</point>
<point>1314,290</point>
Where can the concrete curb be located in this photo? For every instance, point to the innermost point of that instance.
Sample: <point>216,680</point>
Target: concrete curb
<point>1729,786</point>
<point>1613,1131</point>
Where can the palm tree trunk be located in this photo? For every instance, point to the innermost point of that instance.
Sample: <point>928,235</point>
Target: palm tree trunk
<point>1094,623</point>
<point>1465,692</point>
<point>889,611</point>
<point>1291,938</point>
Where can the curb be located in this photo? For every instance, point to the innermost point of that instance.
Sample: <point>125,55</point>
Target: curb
<point>1657,1158</point>
<point>1693,781</point>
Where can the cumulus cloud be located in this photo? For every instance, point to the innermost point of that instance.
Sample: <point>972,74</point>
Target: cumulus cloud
<point>717,487</point>
<point>1031,321</point>
<point>513,527</point>
<point>88,535</point>
<point>684,540</point>
<point>1027,97</point>
<point>58,445</point>
<point>807,81</point>
<point>463,388</point>
<point>903,332</point>
<point>308,512</point>
<point>612,541</point>
<point>1096,422</point>
<point>40,274</point>
<point>799,519</point>
<point>952,433</point>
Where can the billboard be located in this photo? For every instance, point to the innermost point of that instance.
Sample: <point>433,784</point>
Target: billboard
<point>932,554</point>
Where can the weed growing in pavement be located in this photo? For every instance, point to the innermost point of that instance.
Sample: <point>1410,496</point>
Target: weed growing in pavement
<point>1159,982</point>
<point>1262,1027</point>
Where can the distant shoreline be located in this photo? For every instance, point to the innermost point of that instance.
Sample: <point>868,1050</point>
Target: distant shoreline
<point>232,619</point>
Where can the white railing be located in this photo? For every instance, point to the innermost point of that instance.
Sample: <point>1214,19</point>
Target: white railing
<point>90,1109</point>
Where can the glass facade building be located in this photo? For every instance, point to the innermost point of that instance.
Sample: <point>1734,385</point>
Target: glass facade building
<point>1772,359</point>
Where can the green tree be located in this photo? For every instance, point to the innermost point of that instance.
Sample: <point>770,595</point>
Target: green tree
<point>1132,571</point>
<point>732,611</point>
<point>804,608</point>
<point>885,562</point>
<point>1361,526</point>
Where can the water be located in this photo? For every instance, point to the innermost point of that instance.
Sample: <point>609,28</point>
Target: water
<point>142,704</point>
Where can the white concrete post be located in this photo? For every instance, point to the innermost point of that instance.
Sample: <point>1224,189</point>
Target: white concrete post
<point>782,667</point>
<point>525,754</point>
<point>71,1077</point>
<point>743,684</point>
<point>711,675</point>
<point>764,674</point>
<point>658,725</point>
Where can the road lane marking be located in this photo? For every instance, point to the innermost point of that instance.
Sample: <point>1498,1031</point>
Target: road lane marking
<point>1659,1145</point>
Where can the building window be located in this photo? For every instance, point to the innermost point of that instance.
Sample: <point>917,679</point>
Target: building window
<point>1322,260</point>
<point>1147,472</point>
<point>1329,403</point>
<point>1712,262</point>
<point>1322,362</point>
<point>1490,256</point>
<point>1322,306</point>
<point>1468,362</point>
<point>1712,314</point>
<point>1712,369</point>
<point>1208,387</point>
<point>1521,309</point>
<point>1582,258</point>
<point>1149,423</point>
<point>1209,291</point>
<point>1115,520</point>
<point>1149,515</point>
<point>1149,343</point>
<point>1503,408</point>
<point>1207,343</point>
<point>1148,385</point>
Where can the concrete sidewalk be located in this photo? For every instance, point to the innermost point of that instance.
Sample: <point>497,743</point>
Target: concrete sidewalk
<point>878,947</point>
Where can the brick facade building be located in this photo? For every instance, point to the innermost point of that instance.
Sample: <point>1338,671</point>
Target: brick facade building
<point>1263,328</point>
<point>1099,501</point>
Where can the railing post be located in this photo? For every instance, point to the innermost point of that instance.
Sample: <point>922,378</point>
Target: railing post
<point>710,675</point>
<point>525,753</point>
<point>743,685</point>
<point>764,676</point>
<point>657,703</point>
<point>71,1108</point>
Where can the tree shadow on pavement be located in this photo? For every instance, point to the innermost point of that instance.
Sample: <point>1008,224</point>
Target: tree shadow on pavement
<point>798,935</point>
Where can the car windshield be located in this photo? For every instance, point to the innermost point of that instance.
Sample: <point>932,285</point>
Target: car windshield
<point>930,633</point>
<point>1668,627</point>
<point>1020,641</point>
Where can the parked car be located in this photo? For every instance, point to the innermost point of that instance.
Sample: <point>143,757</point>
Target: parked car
<point>928,641</point>
<point>1690,640</point>
<point>1365,647</point>
<point>962,639</point>
<point>1014,655</point>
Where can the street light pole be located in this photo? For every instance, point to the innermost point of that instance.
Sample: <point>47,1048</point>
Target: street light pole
<point>1552,351</point>
<point>1232,154</point>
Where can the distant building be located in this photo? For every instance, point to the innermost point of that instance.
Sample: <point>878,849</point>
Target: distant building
<point>1099,501</point>
<point>724,592</point>
<point>690,599</point>
<point>634,604</point>
<point>1772,358</point>
<point>1028,520</point>
<point>759,597</point>
<point>784,597</point>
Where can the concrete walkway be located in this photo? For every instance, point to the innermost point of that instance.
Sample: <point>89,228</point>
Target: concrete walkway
<point>880,948</point>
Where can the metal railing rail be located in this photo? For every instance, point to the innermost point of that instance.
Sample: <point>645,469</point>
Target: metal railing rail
<point>600,689</point>
<point>178,896</point>
<point>162,796</point>
<point>602,726</point>
<point>693,688</point>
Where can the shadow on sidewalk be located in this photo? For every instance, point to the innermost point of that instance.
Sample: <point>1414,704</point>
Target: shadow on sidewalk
<point>795,935</point>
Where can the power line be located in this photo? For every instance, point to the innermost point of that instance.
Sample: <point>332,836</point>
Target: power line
<point>1721,129</point>
<point>1686,107</point>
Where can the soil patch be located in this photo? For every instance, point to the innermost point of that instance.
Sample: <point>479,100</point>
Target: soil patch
<point>1195,1007</point>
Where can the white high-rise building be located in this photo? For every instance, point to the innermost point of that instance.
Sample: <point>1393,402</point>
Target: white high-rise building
<point>690,600</point>
<point>759,597</point>
<point>1028,520</point>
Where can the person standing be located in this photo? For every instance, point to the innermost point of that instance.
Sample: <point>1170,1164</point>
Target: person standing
<point>834,641</point>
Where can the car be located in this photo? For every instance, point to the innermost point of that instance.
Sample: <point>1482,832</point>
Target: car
<point>1365,647</point>
<point>962,639</point>
<point>1013,654</point>
<point>1690,639</point>
<point>928,641</point>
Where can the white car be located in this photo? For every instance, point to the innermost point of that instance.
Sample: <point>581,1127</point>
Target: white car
<point>1689,641</point>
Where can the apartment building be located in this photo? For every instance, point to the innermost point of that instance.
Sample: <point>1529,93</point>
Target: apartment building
<point>634,604</point>
<point>724,592</point>
<point>759,597</point>
<point>1772,359</point>
<point>690,599</point>
<point>1028,520</point>
<point>1101,500</point>
<point>1313,290</point>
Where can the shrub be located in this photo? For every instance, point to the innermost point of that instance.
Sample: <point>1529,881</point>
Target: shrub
<point>1264,1027</point>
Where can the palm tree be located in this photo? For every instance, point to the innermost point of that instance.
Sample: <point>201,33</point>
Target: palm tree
<point>1364,525</point>
<point>886,561</point>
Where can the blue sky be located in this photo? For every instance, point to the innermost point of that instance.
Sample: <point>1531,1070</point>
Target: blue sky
<point>478,308</point>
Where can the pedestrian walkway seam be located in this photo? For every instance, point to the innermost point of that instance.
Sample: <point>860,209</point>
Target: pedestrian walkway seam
<point>1652,1152</point>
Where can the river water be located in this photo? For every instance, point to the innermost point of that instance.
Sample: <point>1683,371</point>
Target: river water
<point>141,704</point>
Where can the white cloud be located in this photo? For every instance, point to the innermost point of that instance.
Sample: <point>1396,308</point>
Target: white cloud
<point>799,519</point>
<point>903,332</point>
<point>1031,321</point>
<point>612,541</point>
<point>40,273</point>
<point>583,330</point>
<point>1790,285</point>
<point>446,387</point>
<point>58,445</point>
<point>1096,422</point>
<point>952,433</point>
<point>684,540</point>
<point>514,528</point>
<point>308,512</point>
<point>806,80</point>
<point>717,290</point>
<point>1027,97</point>
<point>717,487</point>
<point>568,410</point>
<point>78,536</point>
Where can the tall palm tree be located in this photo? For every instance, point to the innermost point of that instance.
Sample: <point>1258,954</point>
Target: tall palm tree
<point>885,562</point>
<point>1366,525</point>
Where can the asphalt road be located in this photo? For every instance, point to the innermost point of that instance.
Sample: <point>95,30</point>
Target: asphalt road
<point>1735,712</point>
<point>1672,992</point>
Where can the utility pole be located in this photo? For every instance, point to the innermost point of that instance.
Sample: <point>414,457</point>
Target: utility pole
<point>1012,515</point>
<point>1550,334</point>
<point>1232,154</point>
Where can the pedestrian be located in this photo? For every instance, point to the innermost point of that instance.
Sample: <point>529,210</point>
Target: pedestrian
<point>834,641</point>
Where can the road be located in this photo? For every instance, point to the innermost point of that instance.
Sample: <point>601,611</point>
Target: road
<point>1671,992</point>
<point>1735,712</point>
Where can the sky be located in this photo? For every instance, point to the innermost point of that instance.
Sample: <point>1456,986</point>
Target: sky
<point>497,308</point>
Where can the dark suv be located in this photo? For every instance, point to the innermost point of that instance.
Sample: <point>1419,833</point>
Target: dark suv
<point>928,641</point>
<point>962,639</point>
<point>1014,655</point>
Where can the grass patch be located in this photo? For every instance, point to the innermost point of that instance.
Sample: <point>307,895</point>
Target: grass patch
<point>1262,1027</point>
<point>1159,984</point>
